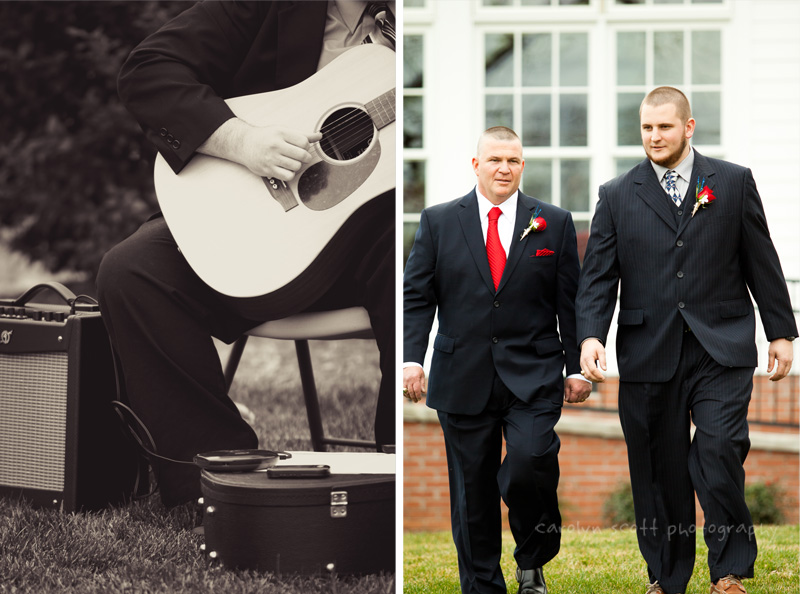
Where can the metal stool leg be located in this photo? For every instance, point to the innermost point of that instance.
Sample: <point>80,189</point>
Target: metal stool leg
<point>232,364</point>
<point>310,395</point>
<point>318,440</point>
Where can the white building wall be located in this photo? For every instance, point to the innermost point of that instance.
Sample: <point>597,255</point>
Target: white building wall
<point>764,77</point>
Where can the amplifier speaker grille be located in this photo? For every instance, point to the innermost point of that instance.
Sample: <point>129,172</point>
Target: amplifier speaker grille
<point>33,420</point>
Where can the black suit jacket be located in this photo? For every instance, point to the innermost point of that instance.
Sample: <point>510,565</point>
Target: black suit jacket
<point>697,273</point>
<point>175,81</point>
<point>514,331</point>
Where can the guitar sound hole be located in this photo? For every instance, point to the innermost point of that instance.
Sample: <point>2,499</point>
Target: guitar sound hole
<point>346,134</point>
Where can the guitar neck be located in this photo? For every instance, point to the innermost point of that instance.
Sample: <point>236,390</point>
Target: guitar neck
<point>382,109</point>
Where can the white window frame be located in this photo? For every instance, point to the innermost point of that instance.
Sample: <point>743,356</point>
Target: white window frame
<point>417,154</point>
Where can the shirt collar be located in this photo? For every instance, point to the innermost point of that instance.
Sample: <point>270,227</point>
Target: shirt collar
<point>352,11</point>
<point>684,168</point>
<point>508,206</point>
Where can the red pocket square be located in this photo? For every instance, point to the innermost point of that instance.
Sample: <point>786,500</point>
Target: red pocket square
<point>543,253</point>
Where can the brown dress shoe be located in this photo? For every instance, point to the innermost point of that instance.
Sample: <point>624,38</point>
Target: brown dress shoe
<point>730,584</point>
<point>654,588</point>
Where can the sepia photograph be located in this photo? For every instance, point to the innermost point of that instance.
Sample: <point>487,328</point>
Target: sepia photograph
<point>197,362</point>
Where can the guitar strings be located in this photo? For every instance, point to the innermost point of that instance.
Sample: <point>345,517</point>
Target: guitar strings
<point>381,101</point>
<point>349,131</point>
<point>353,127</point>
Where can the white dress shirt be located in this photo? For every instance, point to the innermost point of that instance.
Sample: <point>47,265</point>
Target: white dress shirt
<point>506,221</point>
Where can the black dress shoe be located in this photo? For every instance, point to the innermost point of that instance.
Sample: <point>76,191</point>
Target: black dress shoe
<point>531,581</point>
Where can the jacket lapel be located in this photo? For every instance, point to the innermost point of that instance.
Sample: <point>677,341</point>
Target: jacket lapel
<point>650,191</point>
<point>702,172</point>
<point>470,221</point>
<point>525,207</point>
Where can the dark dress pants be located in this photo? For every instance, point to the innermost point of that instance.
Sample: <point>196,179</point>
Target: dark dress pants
<point>161,318</point>
<point>526,479</point>
<point>667,466</point>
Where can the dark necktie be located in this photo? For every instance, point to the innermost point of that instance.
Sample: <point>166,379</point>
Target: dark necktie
<point>384,19</point>
<point>494,249</point>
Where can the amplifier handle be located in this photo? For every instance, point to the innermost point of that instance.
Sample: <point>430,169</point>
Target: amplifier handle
<point>67,295</point>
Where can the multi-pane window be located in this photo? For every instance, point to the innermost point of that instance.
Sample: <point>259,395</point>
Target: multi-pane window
<point>537,83</point>
<point>689,59</point>
<point>413,137</point>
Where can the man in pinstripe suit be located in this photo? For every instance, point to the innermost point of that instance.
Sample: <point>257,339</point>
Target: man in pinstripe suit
<point>684,237</point>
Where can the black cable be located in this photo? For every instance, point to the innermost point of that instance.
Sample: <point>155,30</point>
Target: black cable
<point>119,407</point>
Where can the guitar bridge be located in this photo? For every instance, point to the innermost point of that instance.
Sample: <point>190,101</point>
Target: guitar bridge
<point>281,193</point>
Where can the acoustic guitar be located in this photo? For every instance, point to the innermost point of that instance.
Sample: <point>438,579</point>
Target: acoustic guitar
<point>248,236</point>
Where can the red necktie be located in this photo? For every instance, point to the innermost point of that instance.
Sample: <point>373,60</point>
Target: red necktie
<point>494,249</point>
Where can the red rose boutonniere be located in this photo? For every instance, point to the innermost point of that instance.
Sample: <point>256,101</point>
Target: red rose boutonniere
<point>703,195</point>
<point>535,225</point>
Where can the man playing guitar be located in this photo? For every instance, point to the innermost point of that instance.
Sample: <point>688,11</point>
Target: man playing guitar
<point>160,313</point>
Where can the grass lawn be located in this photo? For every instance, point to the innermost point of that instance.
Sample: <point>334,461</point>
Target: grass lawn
<point>141,547</point>
<point>599,562</point>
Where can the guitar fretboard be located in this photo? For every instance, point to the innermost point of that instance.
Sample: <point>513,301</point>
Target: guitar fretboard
<point>382,109</point>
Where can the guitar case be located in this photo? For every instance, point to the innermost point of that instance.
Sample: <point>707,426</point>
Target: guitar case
<point>341,523</point>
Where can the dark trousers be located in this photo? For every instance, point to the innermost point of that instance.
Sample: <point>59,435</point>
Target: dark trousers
<point>667,466</point>
<point>526,480</point>
<point>161,318</point>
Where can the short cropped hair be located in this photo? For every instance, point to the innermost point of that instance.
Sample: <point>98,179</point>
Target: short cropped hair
<point>663,95</point>
<point>498,133</point>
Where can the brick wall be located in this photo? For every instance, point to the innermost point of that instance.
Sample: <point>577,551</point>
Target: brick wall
<point>593,463</point>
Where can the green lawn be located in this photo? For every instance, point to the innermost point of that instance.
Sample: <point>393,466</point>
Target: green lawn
<point>599,562</point>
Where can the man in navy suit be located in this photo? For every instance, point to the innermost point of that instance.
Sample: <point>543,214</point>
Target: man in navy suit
<point>505,299</point>
<point>684,237</point>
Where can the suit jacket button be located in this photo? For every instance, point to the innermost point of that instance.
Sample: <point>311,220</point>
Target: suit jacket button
<point>680,274</point>
<point>495,340</point>
<point>176,144</point>
<point>681,304</point>
<point>170,138</point>
<point>496,304</point>
<point>679,243</point>
<point>163,131</point>
<point>680,212</point>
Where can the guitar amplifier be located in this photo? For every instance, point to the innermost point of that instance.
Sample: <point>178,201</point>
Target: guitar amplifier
<point>61,444</point>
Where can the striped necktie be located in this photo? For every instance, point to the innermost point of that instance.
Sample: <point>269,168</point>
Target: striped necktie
<point>672,188</point>
<point>384,19</point>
